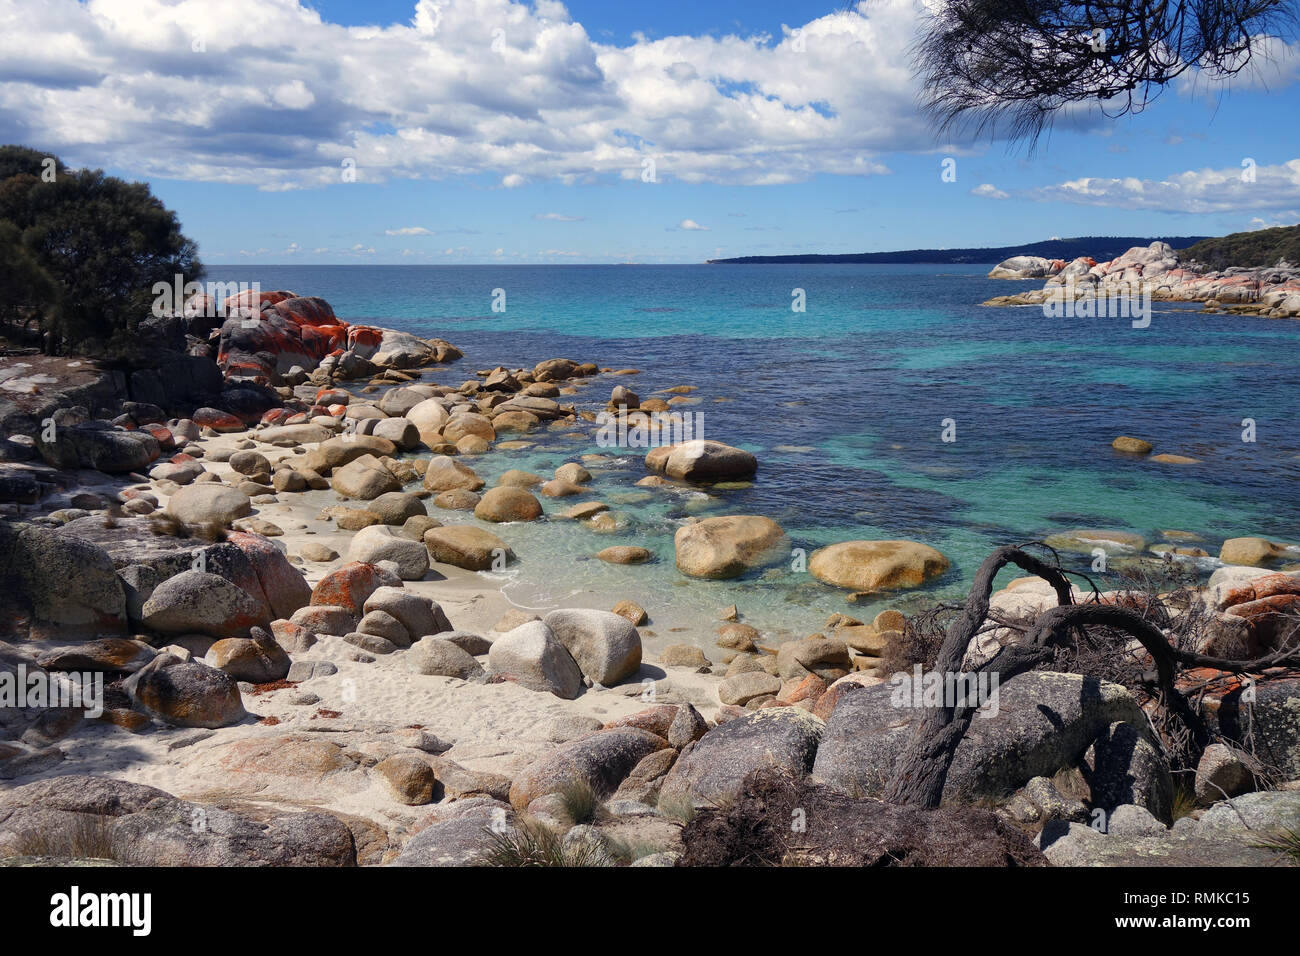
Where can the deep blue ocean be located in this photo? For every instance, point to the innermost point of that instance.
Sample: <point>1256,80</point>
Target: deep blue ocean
<point>845,403</point>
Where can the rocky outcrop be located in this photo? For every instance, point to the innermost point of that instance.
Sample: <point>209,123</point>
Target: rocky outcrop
<point>134,824</point>
<point>1273,291</point>
<point>58,585</point>
<point>266,334</point>
<point>777,820</point>
<point>713,769</point>
<point>1043,722</point>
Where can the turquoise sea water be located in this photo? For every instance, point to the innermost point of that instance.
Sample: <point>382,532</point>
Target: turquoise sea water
<point>845,406</point>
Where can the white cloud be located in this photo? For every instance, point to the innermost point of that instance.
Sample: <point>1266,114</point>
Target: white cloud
<point>293,95</point>
<point>990,191</point>
<point>1249,186</point>
<point>558,217</point>
<point>264,92</point>
<point>692,225</point>
<point>409,231</point>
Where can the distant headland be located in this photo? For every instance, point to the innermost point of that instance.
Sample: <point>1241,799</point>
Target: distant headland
<point>1104,247</point>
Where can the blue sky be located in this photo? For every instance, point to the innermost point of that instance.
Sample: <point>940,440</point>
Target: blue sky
<point>490,131</point>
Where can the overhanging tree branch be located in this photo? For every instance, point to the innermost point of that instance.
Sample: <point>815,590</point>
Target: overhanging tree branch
<point>1016,64</point>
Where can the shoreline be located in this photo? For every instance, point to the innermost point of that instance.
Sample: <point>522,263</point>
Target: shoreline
<point>355,725</point>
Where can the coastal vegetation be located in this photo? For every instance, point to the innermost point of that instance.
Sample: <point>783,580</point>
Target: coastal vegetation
<point>81,253</point>
<point>1257,248</point>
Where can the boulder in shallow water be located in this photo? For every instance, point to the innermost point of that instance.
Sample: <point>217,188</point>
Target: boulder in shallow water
<point>466,546</point>
<point>1254,552</point>
<point>702,460</point>
<point>877,565</point>
<point>1132,446</point>
<point>446,474</point>
<point>507,503</point>
<point>727,547</point>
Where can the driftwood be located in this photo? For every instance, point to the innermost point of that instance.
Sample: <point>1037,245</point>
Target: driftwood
<point>922,768</point>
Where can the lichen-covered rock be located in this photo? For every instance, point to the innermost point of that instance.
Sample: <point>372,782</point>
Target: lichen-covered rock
<point>143,826</point>
<point>283,585</point>
<point>197,602</point>
<point>601,761</point>
<point>712,770</point>
<point>1123,766</point>
<point>1044,722</point>
<point>63,586</point>
<point>382,543</point>
<point>350,585</point>
<point>458,833</point>
<point>186,694</point>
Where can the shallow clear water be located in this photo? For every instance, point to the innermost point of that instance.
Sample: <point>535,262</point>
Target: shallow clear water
<point>864,380</point>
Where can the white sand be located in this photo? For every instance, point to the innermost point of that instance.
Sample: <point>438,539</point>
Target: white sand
<point>497,728</point>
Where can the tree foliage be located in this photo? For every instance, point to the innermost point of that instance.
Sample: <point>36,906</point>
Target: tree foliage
<point>26,290</point>
<point>1262,247</point>
<point>103,241</point>
<point>1019,63</point>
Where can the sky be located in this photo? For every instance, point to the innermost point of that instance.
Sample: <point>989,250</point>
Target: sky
<point>488,131</point>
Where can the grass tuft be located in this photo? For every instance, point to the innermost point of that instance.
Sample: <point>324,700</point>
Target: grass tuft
<point>1285,842</point>
<point>530,842</point>
<point>580,801</point>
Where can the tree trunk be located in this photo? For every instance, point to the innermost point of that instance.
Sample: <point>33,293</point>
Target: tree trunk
<point>922,768</point>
